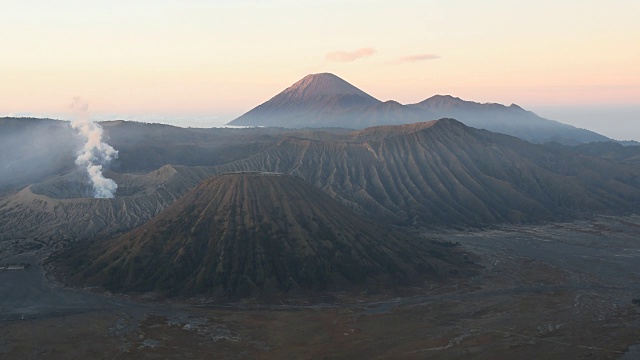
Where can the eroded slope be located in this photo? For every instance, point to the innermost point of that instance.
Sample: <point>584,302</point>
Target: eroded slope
<point>445,173</point>
<point>249,233</point>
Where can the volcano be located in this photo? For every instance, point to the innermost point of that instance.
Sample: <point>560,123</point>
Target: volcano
<point>444,173</point>
<point>249,233</point>
<point>325,100</point>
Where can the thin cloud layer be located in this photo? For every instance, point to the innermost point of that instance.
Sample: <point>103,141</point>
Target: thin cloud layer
<point>416,58</point>
<point>345,56</point>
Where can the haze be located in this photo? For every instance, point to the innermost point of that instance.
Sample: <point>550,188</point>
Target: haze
<point>199,63</point>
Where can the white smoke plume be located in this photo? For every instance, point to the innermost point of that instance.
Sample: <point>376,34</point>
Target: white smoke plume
<point>95,153</point>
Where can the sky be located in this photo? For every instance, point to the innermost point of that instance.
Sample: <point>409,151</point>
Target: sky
<point>203,63</point>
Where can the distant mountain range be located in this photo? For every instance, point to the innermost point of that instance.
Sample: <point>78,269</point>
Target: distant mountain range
<point>511,120</point>
<point>325,100</point>
<point>32,150</point>
<point>439,173</point>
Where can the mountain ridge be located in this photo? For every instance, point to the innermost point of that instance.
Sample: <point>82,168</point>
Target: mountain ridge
<point>343,105</point>
<point>435,174</point>
<point>448,174</point>
<point>511,120</point>
<point>323,84</point>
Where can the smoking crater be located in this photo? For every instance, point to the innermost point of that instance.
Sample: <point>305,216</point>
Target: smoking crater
<point>95,153</point>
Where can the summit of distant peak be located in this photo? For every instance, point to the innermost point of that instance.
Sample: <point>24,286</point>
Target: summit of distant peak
<point>321,85</point>
<point>444,97</point>
<point>439,100</point>
<point>317,99</point>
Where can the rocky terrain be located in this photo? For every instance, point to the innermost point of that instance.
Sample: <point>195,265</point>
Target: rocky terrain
<point>58,211</point>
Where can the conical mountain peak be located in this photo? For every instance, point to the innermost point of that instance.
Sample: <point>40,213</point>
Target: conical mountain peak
<point>321,85</point>
<point>317,100</point>
<point>248,233</point>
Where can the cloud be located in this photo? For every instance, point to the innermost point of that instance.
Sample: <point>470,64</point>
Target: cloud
<point>345,56</point>
<point>416,58</point>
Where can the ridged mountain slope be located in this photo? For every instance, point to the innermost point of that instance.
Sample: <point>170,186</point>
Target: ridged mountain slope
<point>445,173</point>
<point>438,173</point>
<point>58,211</point>
<point>249,233</point>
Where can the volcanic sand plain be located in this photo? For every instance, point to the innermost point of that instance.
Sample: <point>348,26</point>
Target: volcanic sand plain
<point>555,291</point>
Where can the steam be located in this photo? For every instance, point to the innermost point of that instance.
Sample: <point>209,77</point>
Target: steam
<point>95,153</point>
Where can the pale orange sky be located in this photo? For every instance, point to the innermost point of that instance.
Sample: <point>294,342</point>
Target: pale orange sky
<point>214,60</point>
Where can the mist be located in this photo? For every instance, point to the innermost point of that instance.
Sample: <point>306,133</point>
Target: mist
<point>617,122</point>
<point>32,150</point>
